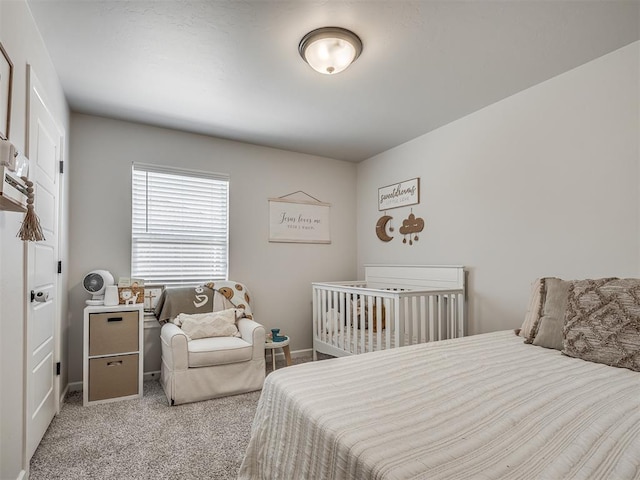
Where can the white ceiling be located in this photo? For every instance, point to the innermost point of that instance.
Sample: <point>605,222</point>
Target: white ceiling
<point>231,68</point>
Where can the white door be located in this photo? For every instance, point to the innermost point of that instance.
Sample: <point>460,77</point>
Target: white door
<point>44,152</point>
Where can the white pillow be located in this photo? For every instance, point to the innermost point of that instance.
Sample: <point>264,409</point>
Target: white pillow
<point>239,312</point>
<point>205,325</point>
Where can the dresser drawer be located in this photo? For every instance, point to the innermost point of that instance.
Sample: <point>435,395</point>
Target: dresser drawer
<point>113,332</point>
<point>112,377</point>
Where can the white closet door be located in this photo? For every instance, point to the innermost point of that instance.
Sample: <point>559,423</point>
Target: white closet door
<point>44,152</point>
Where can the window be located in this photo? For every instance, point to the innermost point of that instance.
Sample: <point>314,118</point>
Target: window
<point>179,226</point>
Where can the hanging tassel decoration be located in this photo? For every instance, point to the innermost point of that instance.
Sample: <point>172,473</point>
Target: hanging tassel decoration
<point>30,230</point>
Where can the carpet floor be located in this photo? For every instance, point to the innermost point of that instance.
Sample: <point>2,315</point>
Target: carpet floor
<point>146,438</point>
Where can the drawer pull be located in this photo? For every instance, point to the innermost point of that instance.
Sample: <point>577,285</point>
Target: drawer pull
<point>114,319</point>
<point>114,364</point>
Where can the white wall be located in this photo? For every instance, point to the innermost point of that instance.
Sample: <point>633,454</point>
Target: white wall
<point>22,42</point>
<point>278,274</point>
<point>544,183</point>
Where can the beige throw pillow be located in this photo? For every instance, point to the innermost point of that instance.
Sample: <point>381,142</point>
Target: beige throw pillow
<point>205,325</point>
<point>551,323</point>
<point>534,311</point>
<point>602,323</point>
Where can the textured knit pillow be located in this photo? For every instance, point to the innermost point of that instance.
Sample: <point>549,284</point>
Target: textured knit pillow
<point>205,325</point>
<point>602,323</point>
<point>534,311</point>
<point>551,323</point>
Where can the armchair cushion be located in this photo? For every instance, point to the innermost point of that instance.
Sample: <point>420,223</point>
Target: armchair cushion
<point>214,324</point>
<point>207,352</point>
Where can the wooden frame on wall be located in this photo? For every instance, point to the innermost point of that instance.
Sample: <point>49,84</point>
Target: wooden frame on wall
<point>6,84</point>
<point>399,194</point>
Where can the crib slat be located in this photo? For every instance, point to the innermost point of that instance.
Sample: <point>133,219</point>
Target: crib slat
<point>452,315</point>
<point>319,309</point>
<point>388,321</point>
<point>463,314</point>
<point>447,320</point>
<point>401,322</point>
<point>376,320</point>
<point>360,307</point>
<point>457,315</point>
<point>367,312</point>
<point>341,320</point>
<point>325,308</point>
<point>414,336</point>
<point>353,334</point>
<point>341,317</point>
<point>443,317</point>
<point>431,321</point>
<point>336,318</point>
<point>407,321</point>
<point>422,322</point>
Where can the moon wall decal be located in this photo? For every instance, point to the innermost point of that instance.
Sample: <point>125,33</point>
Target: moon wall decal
<point>381,228</point>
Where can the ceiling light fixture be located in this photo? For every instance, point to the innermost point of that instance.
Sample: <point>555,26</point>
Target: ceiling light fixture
<point>330,50</point>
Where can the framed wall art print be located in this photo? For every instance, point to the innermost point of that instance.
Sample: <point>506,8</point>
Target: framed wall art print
<point>399,194</point>
<point>6,82</point>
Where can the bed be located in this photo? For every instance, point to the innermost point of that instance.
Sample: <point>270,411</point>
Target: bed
<point>488,406</point>
<point>394,306</point>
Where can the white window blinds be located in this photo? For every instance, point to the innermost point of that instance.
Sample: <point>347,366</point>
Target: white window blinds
<point>179,226</point>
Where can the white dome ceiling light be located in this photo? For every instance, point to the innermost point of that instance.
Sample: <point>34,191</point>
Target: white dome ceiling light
<point>330,50</point>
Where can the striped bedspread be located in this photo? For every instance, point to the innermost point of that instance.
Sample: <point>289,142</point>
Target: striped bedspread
<point>364,344</point>
<point>479,407</point>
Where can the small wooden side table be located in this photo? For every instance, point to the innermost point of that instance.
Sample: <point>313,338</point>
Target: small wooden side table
<point>284,345</point>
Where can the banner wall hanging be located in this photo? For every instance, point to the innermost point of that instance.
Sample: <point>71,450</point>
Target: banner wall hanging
<point>299,221</point>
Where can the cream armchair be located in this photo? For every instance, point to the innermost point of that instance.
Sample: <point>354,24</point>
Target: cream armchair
<point>205,368</point>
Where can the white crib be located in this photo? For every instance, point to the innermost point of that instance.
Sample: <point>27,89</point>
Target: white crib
<point>396,305</point>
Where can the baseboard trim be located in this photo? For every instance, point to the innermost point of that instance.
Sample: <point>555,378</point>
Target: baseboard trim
<point>151,375</point>
<point>307,352</point>
<point>75,387</point>
<point>63,395</point>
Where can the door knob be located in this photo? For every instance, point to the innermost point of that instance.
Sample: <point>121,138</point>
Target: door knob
<point>39,296</point>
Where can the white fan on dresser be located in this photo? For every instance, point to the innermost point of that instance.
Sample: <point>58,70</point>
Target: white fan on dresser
<point>95,282</point>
